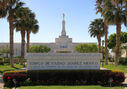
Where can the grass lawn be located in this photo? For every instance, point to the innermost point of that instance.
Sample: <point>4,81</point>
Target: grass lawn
<point>68,87</point>
<point>6,67</point>
<point>119,67</point>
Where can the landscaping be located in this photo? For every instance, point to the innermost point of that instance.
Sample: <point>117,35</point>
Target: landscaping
<point>63,77</point>
<point>67,87</point>
<point>119,67</point>
<point>6,67</point>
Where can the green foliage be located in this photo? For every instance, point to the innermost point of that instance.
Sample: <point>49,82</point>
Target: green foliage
<point>6,67</point>
<point>123,61</point>
<point>76,77</point>
<point>119,67</point>
<point>4,50</point>
<point>86,48</point>
<point>20,76</point>
<point>68,87</point>
<point>112,39</point>
<point>1,60</point>
<point>96,28</point>
<point>63,77</point>
<point>113,14</point>
<point>39,49</point>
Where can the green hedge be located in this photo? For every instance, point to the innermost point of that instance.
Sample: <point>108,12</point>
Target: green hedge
<point>100,77</point>
<point>123,61</point>
<point>64,77</point>
<point>20,76</point>
<point>39,49</point>
<point>86,48</point>
<point>1,60</point>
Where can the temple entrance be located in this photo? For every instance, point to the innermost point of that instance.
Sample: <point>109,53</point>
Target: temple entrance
<point>63,51</point>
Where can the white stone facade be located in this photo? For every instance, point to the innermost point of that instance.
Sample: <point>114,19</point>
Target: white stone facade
<point>63,61</point>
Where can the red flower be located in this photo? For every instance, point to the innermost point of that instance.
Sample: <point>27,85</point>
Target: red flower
<point>117,81</point>
<point>8,77</point>
<point>112,80</point>
<point>42,81</point>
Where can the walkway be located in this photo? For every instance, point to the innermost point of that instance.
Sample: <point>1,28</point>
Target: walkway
<point>1,82</point>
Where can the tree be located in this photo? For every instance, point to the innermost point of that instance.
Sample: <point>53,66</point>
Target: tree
<point>86,48</point>
<point>112,39</point>
<point>39,49</point>
<point>32,27</point>
<point>125,3</point>
<point>9,7</point>
<point>99,8</point>
<point>22,24</point>
<point>114,15</point>
<point>3,7</point>
<point>96,29</point>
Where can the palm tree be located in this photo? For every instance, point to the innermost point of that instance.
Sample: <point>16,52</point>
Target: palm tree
<point>22,24</point>
<point>13,6</point>
<point>99,8</point>
<point>3,3</point>
<point>32,27</point>
<point>3,7</point>
<point>114,15</point>
<point>9,7</point>
<point>96,29</point>
<point>123,1</point>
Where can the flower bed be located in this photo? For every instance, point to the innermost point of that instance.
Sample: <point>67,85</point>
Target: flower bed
<point>10,77</point>
<point>64,77</point>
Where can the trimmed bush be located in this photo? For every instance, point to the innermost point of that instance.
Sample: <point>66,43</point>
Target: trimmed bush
<point>20,76</point>
<point>76,77</point>
<point>1,60</point>
<point>86,48</point>
<point>39,49</point>
<point>123,61</point>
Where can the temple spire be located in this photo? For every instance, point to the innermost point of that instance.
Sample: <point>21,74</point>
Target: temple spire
<point>63,33</point>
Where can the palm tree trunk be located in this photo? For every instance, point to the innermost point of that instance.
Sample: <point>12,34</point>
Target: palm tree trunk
<point>11,41</point>
<point>4,4</point>
<point>126,11</point>
<point>28,41</point>
<point>106,51</point>
<point>118,31</point>
<point>22,46</point>
<point>99,43</point>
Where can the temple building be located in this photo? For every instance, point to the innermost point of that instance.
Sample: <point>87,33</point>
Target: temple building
<point>62,44</point>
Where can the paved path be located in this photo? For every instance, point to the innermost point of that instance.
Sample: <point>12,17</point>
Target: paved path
<point>1,82</point>
<point>103,68</point>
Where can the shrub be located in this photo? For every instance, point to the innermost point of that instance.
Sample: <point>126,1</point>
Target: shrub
<point>19,76</point>
<point>76,77</point>
<point>39,49</point>
<point>86,48</point>
<point>123,61</point>
<point>1,60</point>
<point>63,77</point>
<point>6,60</point>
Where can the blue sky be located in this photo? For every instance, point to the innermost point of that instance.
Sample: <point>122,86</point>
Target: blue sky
<point>78,15</point>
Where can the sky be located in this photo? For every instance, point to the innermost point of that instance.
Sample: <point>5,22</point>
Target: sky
<point>78,16</point>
